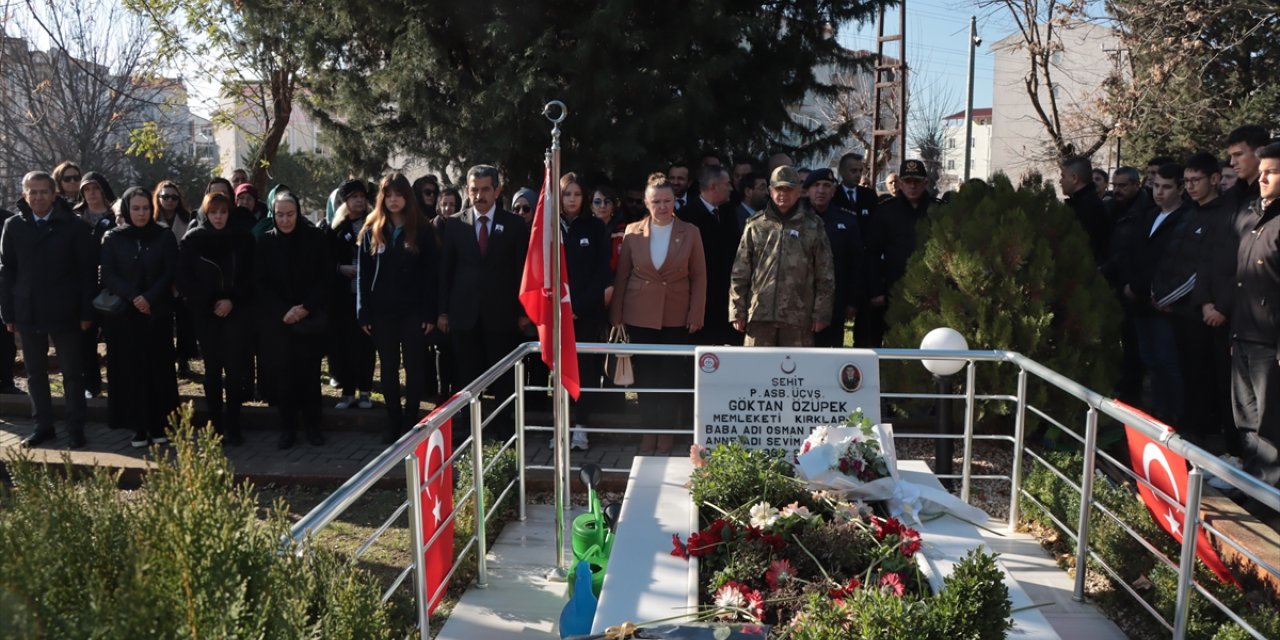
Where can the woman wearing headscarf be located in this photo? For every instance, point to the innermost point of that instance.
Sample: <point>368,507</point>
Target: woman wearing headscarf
<point>350,348</point>
<point>396,299</point>
<point>139,259</point>
<point>215,267</point>
<point>94,207</point>
<point>172,213</point>
<point>292,293</point>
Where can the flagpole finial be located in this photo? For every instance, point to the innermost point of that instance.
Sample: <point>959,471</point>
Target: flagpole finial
<point>555,106</point>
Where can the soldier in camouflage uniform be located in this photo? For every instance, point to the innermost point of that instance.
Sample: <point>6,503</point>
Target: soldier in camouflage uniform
<point>783,277</point>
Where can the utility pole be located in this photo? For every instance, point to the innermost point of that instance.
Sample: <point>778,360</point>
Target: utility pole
<point>974,43</point>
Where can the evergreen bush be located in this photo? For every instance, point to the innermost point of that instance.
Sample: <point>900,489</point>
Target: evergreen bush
<point>1010,269</point>
<point>186,556</point>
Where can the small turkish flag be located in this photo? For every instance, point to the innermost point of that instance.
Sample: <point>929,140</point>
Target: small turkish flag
<point>437,504</point>
<point>1167,471</point>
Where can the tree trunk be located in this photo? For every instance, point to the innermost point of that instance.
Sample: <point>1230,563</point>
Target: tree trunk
<point>282,86</point>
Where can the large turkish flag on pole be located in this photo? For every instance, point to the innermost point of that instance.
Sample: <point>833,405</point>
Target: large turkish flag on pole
<point>536,293</point>
<point>1167,471</point>
<point>437,503</point>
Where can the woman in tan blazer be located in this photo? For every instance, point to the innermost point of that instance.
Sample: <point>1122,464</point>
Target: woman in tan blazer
<point>660,294</point>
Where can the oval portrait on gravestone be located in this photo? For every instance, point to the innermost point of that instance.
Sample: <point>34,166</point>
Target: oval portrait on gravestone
<point>850,377</point>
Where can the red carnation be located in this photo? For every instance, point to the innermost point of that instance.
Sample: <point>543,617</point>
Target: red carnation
<point>840,593</point>
<point>893,582</point>
<point>678,550</point>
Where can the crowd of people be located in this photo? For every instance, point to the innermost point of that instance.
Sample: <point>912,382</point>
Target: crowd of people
<point>1192,251</point>
<point>745,252</point>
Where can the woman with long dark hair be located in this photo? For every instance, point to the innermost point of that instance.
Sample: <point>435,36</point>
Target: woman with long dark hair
<point>139,259</point>
<point>215,267</point>
<point>292,294</point>
<point>397,305</point>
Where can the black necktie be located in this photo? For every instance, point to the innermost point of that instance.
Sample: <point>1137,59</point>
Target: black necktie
<point>484,234</point>
<point>41,223</point>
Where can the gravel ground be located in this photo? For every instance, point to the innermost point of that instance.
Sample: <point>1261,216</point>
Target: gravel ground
<point>989,458</point>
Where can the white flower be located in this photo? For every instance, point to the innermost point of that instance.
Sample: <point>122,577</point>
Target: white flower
<point>795,509</point>
<point>729,600</point>
<point>763,515</point>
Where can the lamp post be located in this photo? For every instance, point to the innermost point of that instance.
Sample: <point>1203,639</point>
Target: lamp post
<point>946,339</point>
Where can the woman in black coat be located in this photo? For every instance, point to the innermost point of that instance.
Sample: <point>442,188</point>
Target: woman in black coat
<point>139,259</point>
<point>96,198</point>
<point>215,262</point>
<point>291,272</point>
<point>396,301</point>
<point>350,349</point>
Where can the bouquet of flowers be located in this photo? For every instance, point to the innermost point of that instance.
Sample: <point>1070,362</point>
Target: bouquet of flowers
<point>856,459</point>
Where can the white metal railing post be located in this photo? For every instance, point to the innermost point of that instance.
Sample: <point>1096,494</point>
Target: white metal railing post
<point>970,410</point>
<point>1086,502</point>
<point>477,479</point>
<point>520,462</point>
<point>414,481</point>
<point>1186,564</point>
<point>1019,445</point>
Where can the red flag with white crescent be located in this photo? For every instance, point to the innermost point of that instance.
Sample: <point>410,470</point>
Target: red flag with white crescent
<point>437,503</point>
<point>536,294</point>
<point>1167,471</point>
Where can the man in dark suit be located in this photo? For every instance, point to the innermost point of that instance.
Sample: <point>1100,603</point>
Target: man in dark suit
<point>754,191</point>
<point>1077,186</point>
<point>709,210</point>
<point>481,262</point>
<point>845,238</point>
<point>678,175</point>
<point>852,196</point>
<point>48,277</point>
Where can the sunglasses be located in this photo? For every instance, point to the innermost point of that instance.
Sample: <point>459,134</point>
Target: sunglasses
<point>70,178</point>
<point>600,202</point>
<point>168,197</point>
<point>523,208</point>
<point>430,192</point>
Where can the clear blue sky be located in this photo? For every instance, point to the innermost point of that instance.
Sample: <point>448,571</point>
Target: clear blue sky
<point>937,47</point>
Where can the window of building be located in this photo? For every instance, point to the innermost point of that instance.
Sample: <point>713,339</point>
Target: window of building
<point>951,143</point>
<point>951,164</point>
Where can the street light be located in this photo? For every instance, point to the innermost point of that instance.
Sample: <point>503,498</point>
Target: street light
<point>944,339</point>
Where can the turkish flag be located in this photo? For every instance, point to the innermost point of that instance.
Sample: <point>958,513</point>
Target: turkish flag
<point>437,503</point>
<point>1167,471</point>
<point>536,293</point>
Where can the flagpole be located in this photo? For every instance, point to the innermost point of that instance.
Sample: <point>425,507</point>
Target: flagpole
<point>551,218</point>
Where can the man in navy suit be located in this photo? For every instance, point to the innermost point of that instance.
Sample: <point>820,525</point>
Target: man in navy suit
<point>481,263</point>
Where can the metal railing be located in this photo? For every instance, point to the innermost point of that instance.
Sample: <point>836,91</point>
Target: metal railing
<point>403,453</point>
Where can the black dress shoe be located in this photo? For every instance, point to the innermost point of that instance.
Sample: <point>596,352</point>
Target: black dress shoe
<point>36,439</point>
<point>286,440</point>
<point>315,439</point>
<point>77,441</point>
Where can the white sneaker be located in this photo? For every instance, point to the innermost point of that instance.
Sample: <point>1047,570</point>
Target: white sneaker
<point>364,401</point>
<point>140,443</point>
<point>160,440</point>
<point>578,440</point>
<point>344,403</point>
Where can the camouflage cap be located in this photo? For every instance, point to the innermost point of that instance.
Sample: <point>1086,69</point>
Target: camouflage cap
<point>913,169</point>
<point>785,176</point>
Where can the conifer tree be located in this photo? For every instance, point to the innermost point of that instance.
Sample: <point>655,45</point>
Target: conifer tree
<point>459,83</point>
<point>1011,269</point>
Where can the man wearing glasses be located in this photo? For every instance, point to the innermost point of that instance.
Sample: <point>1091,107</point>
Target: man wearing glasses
<point>48,277</point>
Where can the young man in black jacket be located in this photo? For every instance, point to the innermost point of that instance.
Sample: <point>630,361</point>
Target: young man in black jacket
<point>47,284</point>
<point>1255,325</point>
<point>1143,286</point>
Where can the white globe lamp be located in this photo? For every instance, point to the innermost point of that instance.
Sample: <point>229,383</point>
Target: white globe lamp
<point>944,339</point>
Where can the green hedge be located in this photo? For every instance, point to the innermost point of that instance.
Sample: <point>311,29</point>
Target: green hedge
<point>186,556</point>
<point>1133,563</point>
